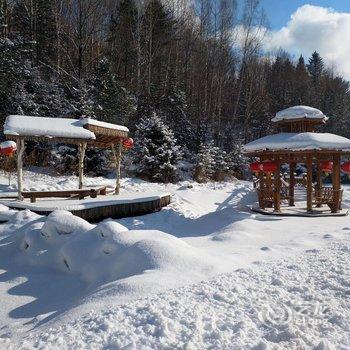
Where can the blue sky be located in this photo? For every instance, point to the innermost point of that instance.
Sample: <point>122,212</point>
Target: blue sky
<point>279,11</point>
<point>317,25</point>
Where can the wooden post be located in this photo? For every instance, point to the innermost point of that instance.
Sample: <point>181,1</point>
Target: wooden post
<point>336,183</point>
<point>20,152</point>
<point>309,184</point>
<point>291,183</point>
<point>277,190</point>
<point>81,155</point>
<point>117,153</point>
<point>261,188</point>
<point>319,181</point>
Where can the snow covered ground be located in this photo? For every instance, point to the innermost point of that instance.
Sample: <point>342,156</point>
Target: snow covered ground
<point>202,273</point>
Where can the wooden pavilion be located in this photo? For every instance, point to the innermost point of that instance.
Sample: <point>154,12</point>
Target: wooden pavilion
<point>84,133</point>
<point>298,142</point>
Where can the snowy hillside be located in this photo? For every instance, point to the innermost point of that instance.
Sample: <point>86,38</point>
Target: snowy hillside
<point>203,273</point>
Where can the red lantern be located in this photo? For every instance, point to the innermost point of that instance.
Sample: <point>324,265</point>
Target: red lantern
<point>345,167</point>
<point>269,167</point>
<point>128,143</point>
<point>326,167</point>
<point>255,167</point>
<point>266,167</point>
<point>8,148</point>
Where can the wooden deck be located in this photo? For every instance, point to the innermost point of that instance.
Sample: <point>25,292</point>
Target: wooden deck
<point>299,210</point>
<point>97,209</point>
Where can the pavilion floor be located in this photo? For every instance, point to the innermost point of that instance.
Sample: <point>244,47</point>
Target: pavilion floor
<point>299,209</point>
<point>96,209</point>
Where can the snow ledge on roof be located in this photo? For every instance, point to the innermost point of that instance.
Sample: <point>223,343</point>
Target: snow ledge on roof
<point>298,142</point>
<point>104,124</point>
<point>299,112</point>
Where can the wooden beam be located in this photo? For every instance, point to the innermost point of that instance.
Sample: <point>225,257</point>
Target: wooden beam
<point>336,182</point>
<point>261,187</point>
<point>117,153</point>
<point>291,183</point>
<point>277,189</point>
<point>81,155</point>
<point>20,152</point>
<point>309,185</point>
<point>319,180</point>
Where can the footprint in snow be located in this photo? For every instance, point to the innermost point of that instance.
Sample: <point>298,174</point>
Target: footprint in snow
<point>346,228</point>
<point>312,250</point>
<point>327,236</point>
<point>265,248</point>
<point>276,282</point>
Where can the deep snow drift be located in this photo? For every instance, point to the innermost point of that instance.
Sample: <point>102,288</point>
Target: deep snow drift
<point>70,284</point>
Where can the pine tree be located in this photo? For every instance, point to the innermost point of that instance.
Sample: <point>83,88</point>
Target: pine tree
<point>3,24</point>
<point>22,20</point>
<point>113,103</point>
<point>156,152</point>
<point>237,162</point>
<point>301,83</point>
<point>280,83</point>
<point>205,163</point>
<point>173,105</point>
<point>121,39</point>
<point>45,32</point>
<point>82,103</point>
<point>315,67</point>
<point>157,34</point>
<point>18,78</point>
<point>220,164</point>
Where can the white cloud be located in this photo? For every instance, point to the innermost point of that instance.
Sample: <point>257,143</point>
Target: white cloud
<point>316,28</point>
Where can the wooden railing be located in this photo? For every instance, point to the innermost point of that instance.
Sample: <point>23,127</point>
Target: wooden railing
<point>329,196</point>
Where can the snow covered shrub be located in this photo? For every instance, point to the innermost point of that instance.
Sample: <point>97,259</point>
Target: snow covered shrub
<point>64,159</point>
<point>156,153</point>
<point>212,163</point>
<point>97,161</point>
<point>205,163</point>
<point>220,164</point>
<point>237,162</point>
<point>37,153</point>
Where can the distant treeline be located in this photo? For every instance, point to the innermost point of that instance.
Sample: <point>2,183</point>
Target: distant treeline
<point>199,67</point>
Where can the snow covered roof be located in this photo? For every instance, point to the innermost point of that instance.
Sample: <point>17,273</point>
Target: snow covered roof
<point>63,128</point>
<point>95,122</point>
<point>299,112</point>
<point>20,125</point>
<point>299,141</point>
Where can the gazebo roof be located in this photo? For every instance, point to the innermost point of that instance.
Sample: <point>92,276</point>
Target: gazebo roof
<point>298,142</point>
<point>299,113</point>
<point>67,130</point>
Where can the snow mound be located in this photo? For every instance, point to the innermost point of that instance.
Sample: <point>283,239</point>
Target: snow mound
<point>298,112</point>
<point>101,253</point>
<point>6,213</point>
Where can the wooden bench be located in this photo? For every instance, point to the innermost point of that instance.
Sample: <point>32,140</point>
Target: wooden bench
<point>78,193</point>
<point>326,195</point>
